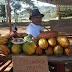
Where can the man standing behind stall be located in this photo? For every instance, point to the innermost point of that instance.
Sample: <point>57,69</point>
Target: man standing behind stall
<point>34,27</point>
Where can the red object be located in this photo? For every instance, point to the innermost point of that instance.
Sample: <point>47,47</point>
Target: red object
<point>47,34</point>
<point>2,21</point>
<point>33,38</point>
<point>13,33</point>
<point>15,40</point>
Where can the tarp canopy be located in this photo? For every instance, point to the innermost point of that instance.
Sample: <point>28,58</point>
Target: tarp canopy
<point>58,2</point>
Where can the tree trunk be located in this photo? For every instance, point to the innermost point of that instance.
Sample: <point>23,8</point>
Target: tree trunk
<point>9,17</point>
<point>6,10</point>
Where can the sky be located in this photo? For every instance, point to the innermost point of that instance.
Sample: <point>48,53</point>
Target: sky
<point>38,3</point>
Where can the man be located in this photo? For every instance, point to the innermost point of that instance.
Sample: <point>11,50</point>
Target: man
<point>15,27</point>
<point>34,27</point>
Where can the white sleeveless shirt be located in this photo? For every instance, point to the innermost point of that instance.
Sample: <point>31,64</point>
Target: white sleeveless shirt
<point>34,30</point>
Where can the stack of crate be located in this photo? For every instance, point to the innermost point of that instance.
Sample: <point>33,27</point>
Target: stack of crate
<point>5,64</point>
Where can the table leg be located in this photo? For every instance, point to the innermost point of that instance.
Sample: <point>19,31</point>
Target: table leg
<point>60,68</point>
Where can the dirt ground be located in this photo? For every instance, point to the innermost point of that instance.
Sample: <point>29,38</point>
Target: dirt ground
<point>5,29</point>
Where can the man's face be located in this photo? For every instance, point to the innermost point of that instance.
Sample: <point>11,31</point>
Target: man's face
<point>36,19</point>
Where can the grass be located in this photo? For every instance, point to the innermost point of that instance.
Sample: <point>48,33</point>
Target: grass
<point>19,20</point>
<point>67,17</point>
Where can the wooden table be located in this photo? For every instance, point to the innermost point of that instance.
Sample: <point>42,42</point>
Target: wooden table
<point>59,61</point>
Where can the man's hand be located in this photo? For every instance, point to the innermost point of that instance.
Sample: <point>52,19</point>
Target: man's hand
<point>41,31</point>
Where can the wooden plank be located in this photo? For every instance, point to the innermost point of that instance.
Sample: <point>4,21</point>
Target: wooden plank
<point>60,68</point>
<point>63,26</point>
<point>3,67</point>
<point>2,63</point>
<point>62,30</point>
<point>61,22</point>
<point>9,67</point>
<point>5,58</point>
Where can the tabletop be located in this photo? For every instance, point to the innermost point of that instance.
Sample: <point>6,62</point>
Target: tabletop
<point>53,58</point>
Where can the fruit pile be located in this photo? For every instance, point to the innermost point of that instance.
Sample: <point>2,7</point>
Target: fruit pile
<point>52,44</point>
<point>30,38</point>
<point>58,46</point>
<point>48,43</point>
<point>7,47</point>
<point>3,48</point>
<point>10,44</point>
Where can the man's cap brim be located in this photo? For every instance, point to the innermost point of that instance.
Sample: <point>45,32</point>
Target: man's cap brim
<point>35,15</point>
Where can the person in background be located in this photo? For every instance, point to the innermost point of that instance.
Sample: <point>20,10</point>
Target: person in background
<point>15,27</point>
<point>34,27</point>
<point>2,21</point>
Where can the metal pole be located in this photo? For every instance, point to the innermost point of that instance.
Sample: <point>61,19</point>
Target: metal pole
<point>9,17</point>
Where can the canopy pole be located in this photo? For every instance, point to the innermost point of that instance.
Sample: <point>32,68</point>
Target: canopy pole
<point>9,17</point>
<point>29,11</point>
<point>58,12</point>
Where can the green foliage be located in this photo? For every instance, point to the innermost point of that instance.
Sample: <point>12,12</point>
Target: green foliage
<point>9,44</point>
<point>49,12</point>
<point>2,13</point>
<point>27,9</point>
<point>65,11</point>
<point>15,5</point>
<point>26,1</point>
<point>30,3</point>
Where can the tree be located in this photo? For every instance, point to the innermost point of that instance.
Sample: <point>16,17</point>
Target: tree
<point>3,11</point>
<point>15,6</point>
<point>31,5</point>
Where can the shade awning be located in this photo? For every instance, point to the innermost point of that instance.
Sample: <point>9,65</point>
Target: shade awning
<point>58,2</point>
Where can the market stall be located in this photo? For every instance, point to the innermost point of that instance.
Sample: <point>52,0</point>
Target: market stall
<point>57,52</point>
<point>58,2</point>
<point>56,48</point>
